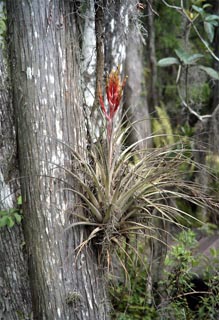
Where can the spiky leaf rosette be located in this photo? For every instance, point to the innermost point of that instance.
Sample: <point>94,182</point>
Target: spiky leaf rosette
<point>123,197</point>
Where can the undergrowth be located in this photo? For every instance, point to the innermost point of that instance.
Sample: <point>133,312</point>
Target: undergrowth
<point>188,290</point>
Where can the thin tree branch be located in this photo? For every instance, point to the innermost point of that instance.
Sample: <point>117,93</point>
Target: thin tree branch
<point>204,42</point>
<point>171,6</point>
<point>186,105</point>
<point>182,10</point>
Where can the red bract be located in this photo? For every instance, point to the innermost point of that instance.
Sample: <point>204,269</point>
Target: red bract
<point>114,89</point>
<point>103,107</point>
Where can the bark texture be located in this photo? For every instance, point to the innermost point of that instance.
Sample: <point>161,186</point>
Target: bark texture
<point>100,34</point>
<point>213,138</point>
<point>152,86</point>
<point>15,298</point>
<point>44,46</point>
<point>116,29</point>
<point>135,102</point>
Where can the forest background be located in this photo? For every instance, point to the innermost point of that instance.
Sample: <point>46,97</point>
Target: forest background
<point>109,202</point>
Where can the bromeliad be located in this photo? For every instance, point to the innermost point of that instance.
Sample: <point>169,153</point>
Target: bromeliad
<point>114,89</point>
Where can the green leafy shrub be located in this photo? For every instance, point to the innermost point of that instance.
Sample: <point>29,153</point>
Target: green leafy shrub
<point>180,282</point>
<point>178,285</point>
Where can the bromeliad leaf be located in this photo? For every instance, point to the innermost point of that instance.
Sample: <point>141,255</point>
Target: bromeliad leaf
<point>124,189</point>
<point>94,210</point>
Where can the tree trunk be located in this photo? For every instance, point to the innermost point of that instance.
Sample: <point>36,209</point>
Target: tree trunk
<point>152,92</point>
<point>117,14</point>
<point>104,43</point>
<point>135,102</point>
<point>44,48</point>
<point>15,297</point>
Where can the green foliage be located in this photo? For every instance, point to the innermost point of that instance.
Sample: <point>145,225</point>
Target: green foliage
<point>210,72</point>
<point>186,59</point>
<point>200,93</point>
<point>166,62</point>
<point>210,21</point>
<point>168,20</point>
<point>11,216</point>
<point>2,26</point>
<point>189,49</point>
<point>164,135</point>
<point>171,99</point>
<point>162,129</point>
<point>180,254</point>
<point>130,300</point>
<point>166,42</point>
<point>177,285</point>
<point>183,57</point>
<point>19,200</point>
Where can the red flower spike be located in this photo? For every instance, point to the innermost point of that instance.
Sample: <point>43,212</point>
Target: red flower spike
<point>103,106</point>
<point>114,88</point>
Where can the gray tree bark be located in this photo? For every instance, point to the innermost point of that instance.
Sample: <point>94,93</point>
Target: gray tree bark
<point>15,297</point>
<point>135,101</point>
<point>152,87</point>
<point>44,49</point>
